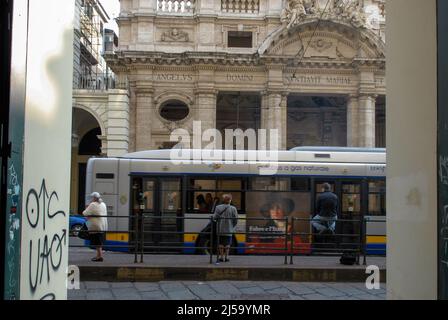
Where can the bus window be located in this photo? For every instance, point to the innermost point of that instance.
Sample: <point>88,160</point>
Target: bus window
<point>300,184</point>
<point>270,184</point>
<point>229,185</point>
<point>148,195</point>
<point>202,184</point>
<point>201,195</point>
<point>171,195</point>
<point>320,187</point>
<point>236,199</point>
<point>377,198</point>
<point>205,194</point>
<point>351,199</point>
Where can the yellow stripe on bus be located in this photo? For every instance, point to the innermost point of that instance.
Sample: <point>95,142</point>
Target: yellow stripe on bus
<point>240,238</point>
<point>190,237</point>
<point>122,237</point>
<point>376,239</point>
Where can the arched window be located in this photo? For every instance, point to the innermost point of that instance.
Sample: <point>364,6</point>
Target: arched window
<point>174,110</point>
<point>90,145</point>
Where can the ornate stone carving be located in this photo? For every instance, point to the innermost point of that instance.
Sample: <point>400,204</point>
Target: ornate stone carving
<point>297,11</point>
<point>175,35</point>
<point>339,54</point>
<point>293,12</point>
<point>320,45</point>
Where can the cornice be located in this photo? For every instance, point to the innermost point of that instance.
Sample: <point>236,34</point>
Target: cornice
<point>135,60</point>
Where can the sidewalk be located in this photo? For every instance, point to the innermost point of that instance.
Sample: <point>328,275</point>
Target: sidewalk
<point>225,291</point>
<point>120,267</point>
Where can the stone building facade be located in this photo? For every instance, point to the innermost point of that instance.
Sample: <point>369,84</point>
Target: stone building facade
<point>314,69</point>
<point>100,125</point>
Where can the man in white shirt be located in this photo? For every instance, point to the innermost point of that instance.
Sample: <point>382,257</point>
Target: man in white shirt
<point>96,214</point>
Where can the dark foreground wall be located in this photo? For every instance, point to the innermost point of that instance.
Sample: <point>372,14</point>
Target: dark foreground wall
<point>442,8</point>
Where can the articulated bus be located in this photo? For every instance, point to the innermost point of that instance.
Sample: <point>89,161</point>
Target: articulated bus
<point>179,198</point>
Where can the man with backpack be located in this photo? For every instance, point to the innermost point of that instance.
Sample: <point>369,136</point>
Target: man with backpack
<point>226,217</point>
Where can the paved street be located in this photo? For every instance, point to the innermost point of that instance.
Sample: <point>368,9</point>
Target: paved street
<point>225,290</point>
<point>82,256</point>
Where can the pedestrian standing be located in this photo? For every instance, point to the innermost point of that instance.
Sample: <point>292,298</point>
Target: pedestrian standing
<point>96,213</point>
<point>226,216</point>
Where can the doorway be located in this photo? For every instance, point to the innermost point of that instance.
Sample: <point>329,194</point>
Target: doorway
<point>159,202</point>
<point>350,217</point>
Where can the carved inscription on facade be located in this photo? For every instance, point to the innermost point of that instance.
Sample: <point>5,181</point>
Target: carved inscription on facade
<point>239,77</point>
<point>173,77</point>
<point>319,80</point>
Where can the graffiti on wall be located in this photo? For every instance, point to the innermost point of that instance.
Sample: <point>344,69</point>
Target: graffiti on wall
<point>444,236</point>
<point>13,231</point>
<point>46,249</point>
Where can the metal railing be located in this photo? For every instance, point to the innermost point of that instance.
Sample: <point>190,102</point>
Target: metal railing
<point>94,81</point>
<point>285,241</point>
<point>102,81</point>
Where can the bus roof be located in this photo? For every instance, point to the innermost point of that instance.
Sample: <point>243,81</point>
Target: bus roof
<point>313,154</point>
<point>340,149</point>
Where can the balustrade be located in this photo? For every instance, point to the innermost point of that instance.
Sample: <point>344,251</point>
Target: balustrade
<point>240,6</point>
<point>178,6</point>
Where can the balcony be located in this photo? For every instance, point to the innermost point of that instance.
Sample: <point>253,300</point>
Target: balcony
<point>240,6</point>
<point>176,7</point>
<point>99,81</point>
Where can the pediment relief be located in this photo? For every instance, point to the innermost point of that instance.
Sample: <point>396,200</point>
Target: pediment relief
<point>328,46</point>
<point>331,42</point>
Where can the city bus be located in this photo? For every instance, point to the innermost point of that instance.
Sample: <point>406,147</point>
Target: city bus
<point>178,199</point>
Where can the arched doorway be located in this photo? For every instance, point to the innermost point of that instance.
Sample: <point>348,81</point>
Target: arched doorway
<point>86,143</point>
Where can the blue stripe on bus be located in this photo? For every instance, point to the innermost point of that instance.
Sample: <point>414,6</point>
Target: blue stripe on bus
<point>376,249</point>
<point>189,248</point>
<point>115,246</point>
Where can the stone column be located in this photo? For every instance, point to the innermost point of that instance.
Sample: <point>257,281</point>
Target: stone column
<point>274,115</point>
<point>144,114</point>
<point>118,123</point>
<point>206,12</point>
<point>205,108</point>
<point>366,113</point>
<point>352,121</point>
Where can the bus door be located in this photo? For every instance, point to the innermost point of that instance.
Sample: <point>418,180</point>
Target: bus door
<point>350,209</point>
<point>349,194</point>
<point>169,209</point>
<point>159,202</point>
<point>320,242</point>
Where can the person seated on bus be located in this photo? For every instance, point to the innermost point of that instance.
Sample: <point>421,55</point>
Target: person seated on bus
<point>327,207</point>
<point>216,202</point>
<point>226,217</point>
<point>202,205</point>
<point>209,202</point>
